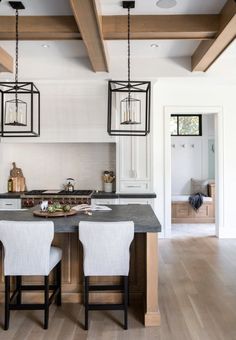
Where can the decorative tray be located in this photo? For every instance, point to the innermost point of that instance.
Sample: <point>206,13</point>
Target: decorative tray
<point>41,213</point>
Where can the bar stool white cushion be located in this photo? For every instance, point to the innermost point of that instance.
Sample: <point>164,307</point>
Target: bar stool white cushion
<point>106,247</point>
<point>54,257</point>
<point>27,247</point>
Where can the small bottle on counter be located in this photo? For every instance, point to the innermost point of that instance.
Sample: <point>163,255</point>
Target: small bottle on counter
<point>10,185</point>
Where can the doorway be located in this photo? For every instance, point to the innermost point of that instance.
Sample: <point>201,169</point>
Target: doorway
<point>188,147</point>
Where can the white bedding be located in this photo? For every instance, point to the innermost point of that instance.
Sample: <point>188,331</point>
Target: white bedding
<point>184,198</point>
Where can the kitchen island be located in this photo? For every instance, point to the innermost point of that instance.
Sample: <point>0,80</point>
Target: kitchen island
<point>144,256</point>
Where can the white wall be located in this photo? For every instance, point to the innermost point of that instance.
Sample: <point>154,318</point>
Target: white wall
<point>189,157</point>
<point>71,111</point>
<point>198,93</point>
<point>46,166</point>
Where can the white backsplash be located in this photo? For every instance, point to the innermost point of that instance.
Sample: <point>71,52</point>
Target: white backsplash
<point>46,166</point>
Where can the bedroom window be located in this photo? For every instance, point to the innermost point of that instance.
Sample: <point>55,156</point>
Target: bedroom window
<point>186,125</point>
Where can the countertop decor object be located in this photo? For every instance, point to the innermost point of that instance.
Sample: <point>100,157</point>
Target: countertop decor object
<point>19,101</point>
<point>128,101</point>
<point>47,214</point>
<point>108,179</point>
<point>70,185</point>
<point>18,179</point>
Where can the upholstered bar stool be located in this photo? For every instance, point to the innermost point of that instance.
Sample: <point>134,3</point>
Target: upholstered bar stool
<point>106,253</point>
<point>28,251</point>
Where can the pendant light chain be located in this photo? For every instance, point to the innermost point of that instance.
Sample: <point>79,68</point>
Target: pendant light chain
<point>17,46</point>
<point>129,102</point>
<point>129,45</point>
<point>16,61</point>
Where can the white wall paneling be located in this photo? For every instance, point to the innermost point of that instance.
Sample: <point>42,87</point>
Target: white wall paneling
<point>134,164</point>
<point>46,166</point>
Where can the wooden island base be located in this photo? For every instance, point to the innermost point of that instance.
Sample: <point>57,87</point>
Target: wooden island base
<point>143,275</point>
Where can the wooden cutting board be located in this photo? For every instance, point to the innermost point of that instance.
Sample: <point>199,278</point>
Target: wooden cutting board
<point>40,213</point>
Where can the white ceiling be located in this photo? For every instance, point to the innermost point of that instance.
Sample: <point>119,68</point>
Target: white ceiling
<point>38,7</point>
<point>142,48</point>
<point>113,7</point>
<point>62,49</point>
<point>72,49</point>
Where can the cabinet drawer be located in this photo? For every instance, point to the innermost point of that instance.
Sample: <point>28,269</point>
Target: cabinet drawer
<point>11,203</point>
<point>136,201</point>
<point>182,210</point>
<point>104,201</point>
<point>134,186</point>
<point>202,212</point>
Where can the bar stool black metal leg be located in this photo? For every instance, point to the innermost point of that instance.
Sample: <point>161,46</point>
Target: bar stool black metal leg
<point>86,301</point>
<point>126,292</point>
<point>58,283</point>
<point>7,302</point>
<point>46,301</point>
<point>18,287</point>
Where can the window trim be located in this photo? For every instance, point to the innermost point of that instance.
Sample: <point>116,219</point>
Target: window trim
<point>186,115</point>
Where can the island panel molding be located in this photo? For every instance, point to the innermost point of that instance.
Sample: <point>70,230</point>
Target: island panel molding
<point>72,272</point>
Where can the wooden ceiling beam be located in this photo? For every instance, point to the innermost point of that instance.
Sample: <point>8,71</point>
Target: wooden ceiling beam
<point>209,51</point>
<point>87,14</point>
<point>6,61</point>
<point>161,27</point>
<point>39,28</point>
<point>113,27</point>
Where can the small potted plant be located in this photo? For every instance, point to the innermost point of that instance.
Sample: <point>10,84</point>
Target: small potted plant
<point>108,178</point>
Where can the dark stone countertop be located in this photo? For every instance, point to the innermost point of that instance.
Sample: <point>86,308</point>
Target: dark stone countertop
<point>143,216</point>
<point>11,194</point>
<point>103,194</point>
<point>100,194</point>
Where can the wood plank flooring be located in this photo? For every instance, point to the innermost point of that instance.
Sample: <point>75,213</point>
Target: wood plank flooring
<point>197,285</point>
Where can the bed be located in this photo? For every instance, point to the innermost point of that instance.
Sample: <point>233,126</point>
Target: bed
<point>182,212</point>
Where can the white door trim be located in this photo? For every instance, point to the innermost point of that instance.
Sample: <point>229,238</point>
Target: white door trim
<point>219,162</point>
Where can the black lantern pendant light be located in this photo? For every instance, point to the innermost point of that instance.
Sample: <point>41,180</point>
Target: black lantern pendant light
<point>20,101</point>
<point>128,101</point>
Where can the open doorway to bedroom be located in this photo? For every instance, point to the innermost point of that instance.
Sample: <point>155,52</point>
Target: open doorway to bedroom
<point>192,174</point>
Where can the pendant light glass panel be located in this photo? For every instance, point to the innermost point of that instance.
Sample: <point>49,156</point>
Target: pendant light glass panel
<point>130,111</point>
<point>16,112</point>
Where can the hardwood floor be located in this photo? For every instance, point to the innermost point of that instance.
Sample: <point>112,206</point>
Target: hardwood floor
<point>193,229</point>
<point>197,298</point>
